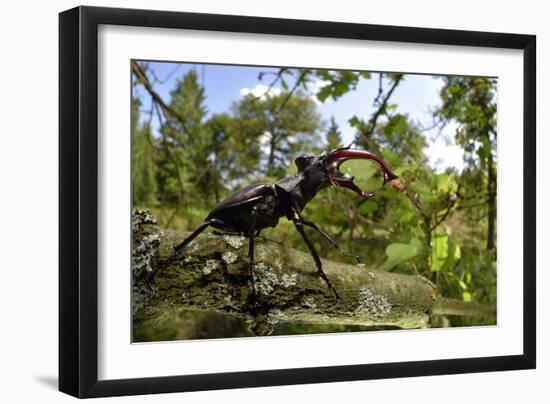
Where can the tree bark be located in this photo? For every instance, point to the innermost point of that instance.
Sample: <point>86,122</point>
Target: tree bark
<point>211,276</point>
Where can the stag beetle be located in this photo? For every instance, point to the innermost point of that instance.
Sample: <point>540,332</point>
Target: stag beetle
<point>258,206</point>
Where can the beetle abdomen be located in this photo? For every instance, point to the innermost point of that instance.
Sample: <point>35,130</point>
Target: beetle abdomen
<point>236,210</point>
<point>243,196</point>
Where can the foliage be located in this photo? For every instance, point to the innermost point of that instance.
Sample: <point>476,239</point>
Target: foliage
<point>282,124</point>
<point>338,82</point>
<point>183,159</point>
<point>334,136</point>
<point>143,160</point>
<point>470,101</point>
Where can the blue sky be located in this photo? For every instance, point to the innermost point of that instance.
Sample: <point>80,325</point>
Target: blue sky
<point>416,96</point>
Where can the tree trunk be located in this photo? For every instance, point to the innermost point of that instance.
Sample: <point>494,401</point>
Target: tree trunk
<point>271,158</point>
<point>491,198</point>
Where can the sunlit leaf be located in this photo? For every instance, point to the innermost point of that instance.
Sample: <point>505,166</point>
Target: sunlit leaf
<point>458,255</point>
<point>440,251</point>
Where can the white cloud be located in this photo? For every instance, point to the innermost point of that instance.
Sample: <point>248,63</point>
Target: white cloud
<point>261,90</point>
<point>315,99</point>
<point>318,84</point>
<point>445,153</point>
<point>348,134</point>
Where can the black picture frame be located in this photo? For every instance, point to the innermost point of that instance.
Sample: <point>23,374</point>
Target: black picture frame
<point>78,200</point>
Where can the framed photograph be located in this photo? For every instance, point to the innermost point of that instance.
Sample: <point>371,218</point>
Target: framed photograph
<point>251,201</point>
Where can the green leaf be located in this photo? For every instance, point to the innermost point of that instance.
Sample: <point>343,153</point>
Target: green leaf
<point>353,121</point>
<point>284,84</point>
<point>458,255</point>
<point>446,183</point>
<point>398,253</point>
<point>440,251</point>
<point>367,207</point>
<point>406,217</point>
<point>324,93</point>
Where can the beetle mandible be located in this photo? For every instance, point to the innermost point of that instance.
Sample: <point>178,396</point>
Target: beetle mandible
<point>258,206</point>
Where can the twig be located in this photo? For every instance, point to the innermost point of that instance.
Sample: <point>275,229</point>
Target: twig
<point>383,106</point>
<point>380,89</point>
<point>142,78</point>
<point>157,80</point>
<point>442,218</point>
<point>401,187</point>
<point>302,76</point>
<point>278,76</point>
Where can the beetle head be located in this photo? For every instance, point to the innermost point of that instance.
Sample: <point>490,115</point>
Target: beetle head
<point>304,161</point>
<point>312,170</point>
<point>338,156</point>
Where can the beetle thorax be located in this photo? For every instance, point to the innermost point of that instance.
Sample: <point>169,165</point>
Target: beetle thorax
<point>308,187</point>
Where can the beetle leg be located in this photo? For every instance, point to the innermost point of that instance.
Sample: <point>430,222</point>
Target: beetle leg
<point>181,246</point>
<point>300,227</point>
<point>251,273</point>
<point>330,240</point>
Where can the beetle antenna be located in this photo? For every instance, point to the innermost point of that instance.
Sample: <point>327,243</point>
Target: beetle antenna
<point>345,147</point>
<point>349,146</point>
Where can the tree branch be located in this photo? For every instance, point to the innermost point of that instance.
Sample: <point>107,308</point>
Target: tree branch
<point>299,80</point>
<point>211,275</point>
<point>142,78</point>
<point>278,77</point>
<point>383,105</point>
<point>401,187</point>
<point>452,203</point>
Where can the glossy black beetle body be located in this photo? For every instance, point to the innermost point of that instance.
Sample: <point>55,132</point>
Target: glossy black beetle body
<point>258,206</point>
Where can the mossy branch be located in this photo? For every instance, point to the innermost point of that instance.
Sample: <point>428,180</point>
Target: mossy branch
<point>212,275</point>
